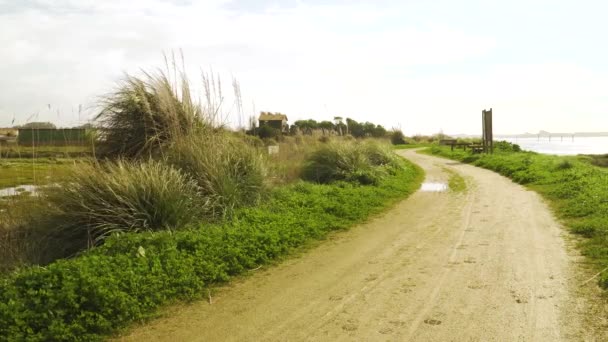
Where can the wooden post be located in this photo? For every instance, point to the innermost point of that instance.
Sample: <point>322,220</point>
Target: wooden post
<point>483,130</point>
<point>487,135</point>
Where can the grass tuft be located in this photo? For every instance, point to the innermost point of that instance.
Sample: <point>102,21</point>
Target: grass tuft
<point>229,173</point>
<point>362,162</point>
<point>116,197</point>
<point>144,114</point>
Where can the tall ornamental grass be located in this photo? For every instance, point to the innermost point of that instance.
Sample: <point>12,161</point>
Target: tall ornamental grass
<point>123,196</point>
<point>229,173</point>
<point>144,114</point>
<point>362,162</point>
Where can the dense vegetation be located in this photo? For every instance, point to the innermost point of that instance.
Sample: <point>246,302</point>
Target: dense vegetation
<point>365,163</point>
<point>576,189</point>
<point>338,126</point>
<point>132,274</point>
<point>174,203</point>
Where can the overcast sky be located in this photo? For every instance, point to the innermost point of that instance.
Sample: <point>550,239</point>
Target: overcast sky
<point>424,66</point>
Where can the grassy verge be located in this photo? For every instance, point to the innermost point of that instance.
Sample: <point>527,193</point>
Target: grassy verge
<point>17,151</point>
<point>131,275</point>
<point>456,182</point>
<point>409,146</point>
<point>576,189</point>
<point>15,172</point>
<point>598,159</point>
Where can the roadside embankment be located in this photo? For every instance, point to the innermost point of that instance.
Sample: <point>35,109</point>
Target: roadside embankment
<point>132,274</point>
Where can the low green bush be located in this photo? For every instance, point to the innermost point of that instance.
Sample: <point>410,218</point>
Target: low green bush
<point>131,275</point>
<point>363,162</point>
<point>397,137</point>
<point>380,154</point>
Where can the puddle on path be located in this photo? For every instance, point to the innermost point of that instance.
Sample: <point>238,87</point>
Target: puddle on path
<point>434,187</point>
<point>16,190</point>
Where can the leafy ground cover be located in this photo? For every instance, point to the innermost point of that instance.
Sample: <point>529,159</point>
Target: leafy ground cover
<point>132,274</point>
<point>576,189</point>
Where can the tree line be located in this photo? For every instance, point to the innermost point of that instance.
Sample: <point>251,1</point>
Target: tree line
<point>339,126</point>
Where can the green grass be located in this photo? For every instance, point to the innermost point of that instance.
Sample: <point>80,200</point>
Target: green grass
<point>28,152</point>
<point>40,171</point>
<point>576,190</point>
<point>409,146</point>
<point>456,182</point>
<point>131,275</point>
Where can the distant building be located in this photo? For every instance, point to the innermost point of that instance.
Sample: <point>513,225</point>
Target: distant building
<point>8,136</point>
<point>278,121</point>
<point>53,136</point>
<point>9,132</point>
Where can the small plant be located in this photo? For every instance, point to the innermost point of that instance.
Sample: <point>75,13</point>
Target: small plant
<point>564,165</point>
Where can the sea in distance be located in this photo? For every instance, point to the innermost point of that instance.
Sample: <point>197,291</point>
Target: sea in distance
<point>566,145</point>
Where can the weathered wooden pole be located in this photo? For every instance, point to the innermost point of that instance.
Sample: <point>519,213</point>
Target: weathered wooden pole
<point>487,135</point>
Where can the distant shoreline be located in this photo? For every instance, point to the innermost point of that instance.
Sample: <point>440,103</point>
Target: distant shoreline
<point>539,134</point>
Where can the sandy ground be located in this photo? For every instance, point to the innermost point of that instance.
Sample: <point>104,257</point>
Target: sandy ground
<point>489,264</point>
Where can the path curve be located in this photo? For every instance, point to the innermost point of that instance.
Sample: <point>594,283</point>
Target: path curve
<point>489,264</point>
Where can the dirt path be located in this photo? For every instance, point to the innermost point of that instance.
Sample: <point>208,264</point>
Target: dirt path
<point>489,264</point>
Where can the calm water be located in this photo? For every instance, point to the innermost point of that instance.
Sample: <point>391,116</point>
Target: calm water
<point>567,146</point>
<point>433,187</point>
<point>14,191</point>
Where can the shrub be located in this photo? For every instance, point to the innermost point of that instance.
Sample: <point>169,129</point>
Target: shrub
<point>229,173</point>
<point>334,162</point>
<point>505,146</point>
<point>380,154</point>
<point>268,132</point>
<point>564,165</point>
<point>365,163</point>
<point>144,114</point>
<point>121,196</point>
<point>397,137</point>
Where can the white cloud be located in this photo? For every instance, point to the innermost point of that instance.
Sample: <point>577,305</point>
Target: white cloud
<point>361,60</point>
